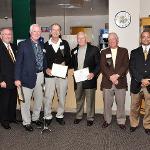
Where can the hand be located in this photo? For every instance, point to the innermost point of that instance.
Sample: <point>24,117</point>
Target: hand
<point>114,78</point>
<point>90,76</point>
<point>48,71</point>
<point>145,82</point>
<point>18,83</point>
<point>3,84</point>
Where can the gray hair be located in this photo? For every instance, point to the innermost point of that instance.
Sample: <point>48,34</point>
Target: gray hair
<point>114,35</point>
<point>31,27</point>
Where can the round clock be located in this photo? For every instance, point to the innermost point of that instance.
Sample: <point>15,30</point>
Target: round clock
<point>122,19</point>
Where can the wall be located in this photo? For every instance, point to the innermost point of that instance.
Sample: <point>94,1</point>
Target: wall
<point>128,37</point>
<point>96,22</point>
<point>144,8</point>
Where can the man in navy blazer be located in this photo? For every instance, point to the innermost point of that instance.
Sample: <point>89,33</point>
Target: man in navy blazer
<point>29,67</point>
<point>140,81</point>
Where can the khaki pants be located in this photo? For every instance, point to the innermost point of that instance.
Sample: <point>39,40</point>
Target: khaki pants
<point>135,109</point>
<point>38,99</point>
<point>60,85</point>
<point>81,94</point>
<point>108,97</point>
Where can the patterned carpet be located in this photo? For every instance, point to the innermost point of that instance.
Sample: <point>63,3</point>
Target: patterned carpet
<point>74,137</point>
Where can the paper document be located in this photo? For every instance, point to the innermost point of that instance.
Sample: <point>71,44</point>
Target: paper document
<point>81,75</point>
<point>59,70</point>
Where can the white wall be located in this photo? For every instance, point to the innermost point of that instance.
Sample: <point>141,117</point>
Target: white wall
<point>128,37</point>
<point>5,23</point>
<point>144,8</point>
<point>96,22</point>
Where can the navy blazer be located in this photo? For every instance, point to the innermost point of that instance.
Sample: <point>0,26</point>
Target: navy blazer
<point>139,69</point>
<point>25,67</point>
<point>92,61</point>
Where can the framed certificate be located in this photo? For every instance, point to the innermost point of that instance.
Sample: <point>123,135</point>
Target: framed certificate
<point>59,70</point>
<point>81,75</point>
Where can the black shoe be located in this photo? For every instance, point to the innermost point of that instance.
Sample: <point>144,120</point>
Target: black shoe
<point>14,121</point>
<point>132,129</point>
<point>89,122</point>
<point>147,131</point>
<point>48,121</point>
<point>122,126</point>
<point>76,121</point>
<point>5,125</point>
<point>28,127</point>
<point>60,121</point>
<point>37,123</point>
<point>105,125</point>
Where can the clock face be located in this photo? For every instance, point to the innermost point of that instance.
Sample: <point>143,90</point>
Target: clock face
<point>122,19</point>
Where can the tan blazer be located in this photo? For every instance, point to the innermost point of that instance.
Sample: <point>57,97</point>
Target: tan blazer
<point>108,69</point>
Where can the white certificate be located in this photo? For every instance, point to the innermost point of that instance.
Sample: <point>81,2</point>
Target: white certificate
<point>81,75</point>
<point>59,70</point>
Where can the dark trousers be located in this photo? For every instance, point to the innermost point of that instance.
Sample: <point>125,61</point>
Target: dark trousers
<point>8,102</point>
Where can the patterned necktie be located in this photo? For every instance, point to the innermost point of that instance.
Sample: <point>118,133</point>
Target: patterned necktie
<point>145,53</point>
<point>10,53</point>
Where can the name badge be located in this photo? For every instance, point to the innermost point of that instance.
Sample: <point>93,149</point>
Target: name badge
<point>108,56</point>
<point>75,52</point>
<point>61,47</point>
<point>44,50</point>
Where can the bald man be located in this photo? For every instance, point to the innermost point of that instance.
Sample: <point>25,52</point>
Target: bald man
<point>114,67</point>
<point>83,56</point>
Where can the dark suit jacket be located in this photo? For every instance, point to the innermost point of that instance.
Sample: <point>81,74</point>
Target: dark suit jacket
<point>139,69</point>
<point>92,61</point>
<point>121,68</point>
<point>7,66</point>
<point>25,68</point>
<point>50,55</point>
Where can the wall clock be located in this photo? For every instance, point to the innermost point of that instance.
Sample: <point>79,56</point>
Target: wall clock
<point>122,19</point>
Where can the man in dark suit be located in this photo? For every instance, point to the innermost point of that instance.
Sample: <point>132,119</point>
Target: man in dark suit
<point>140,81</point>
<point>114,67</point>
<point>30,64</point>
<point>8,92</point>
<point>86,55</point>
<point>58,52</point>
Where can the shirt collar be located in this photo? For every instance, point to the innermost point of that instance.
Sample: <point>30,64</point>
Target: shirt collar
<point>6,44</point>
<point>146,47</point>
<point>51,43</point>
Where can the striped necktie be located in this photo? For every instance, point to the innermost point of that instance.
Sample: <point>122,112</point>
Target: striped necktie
<point>10,53</point>
<point>145,53</point>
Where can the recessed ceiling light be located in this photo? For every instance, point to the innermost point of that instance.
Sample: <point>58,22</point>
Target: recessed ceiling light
<point>87,0</point>
<point>63,4</point>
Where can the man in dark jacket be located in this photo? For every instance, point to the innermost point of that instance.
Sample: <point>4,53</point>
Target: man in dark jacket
<point>86,55</point>
<point>140,81</point>
<point>57,52</point>
<point>8,92</point>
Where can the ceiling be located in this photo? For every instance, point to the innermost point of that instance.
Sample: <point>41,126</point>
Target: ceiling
<point>61,8</point>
